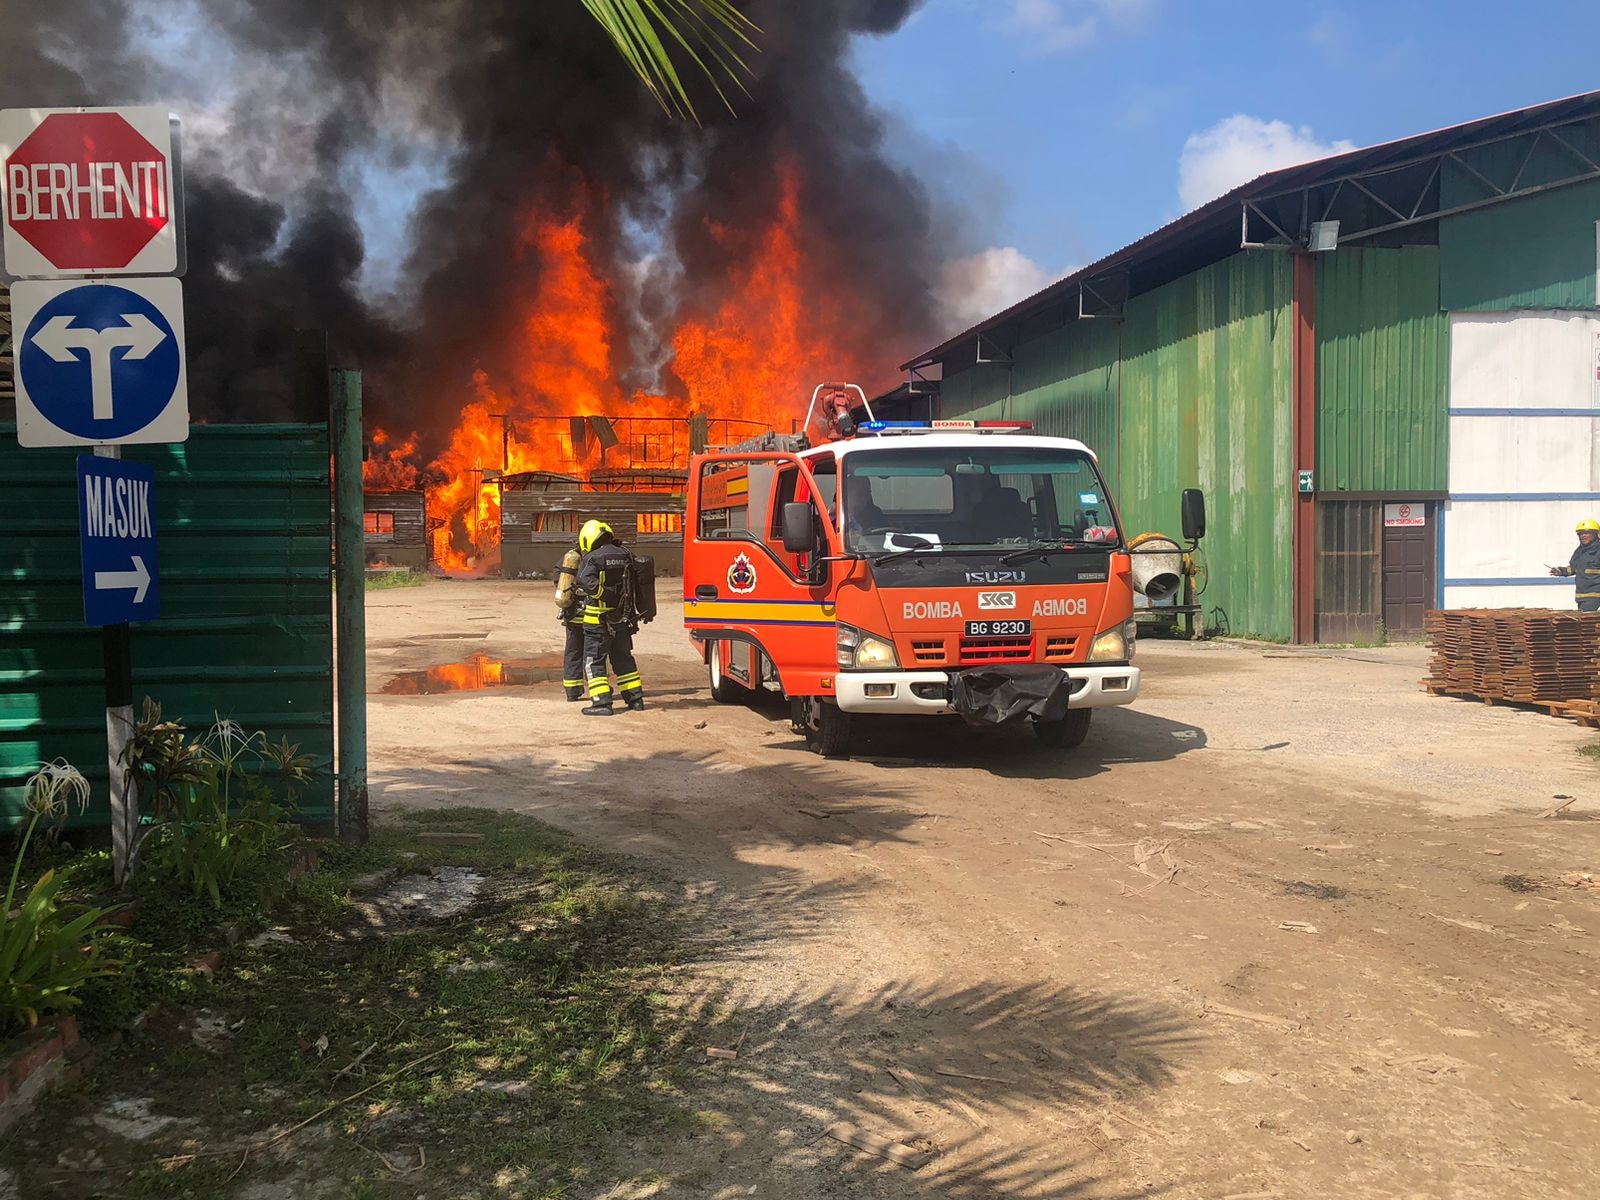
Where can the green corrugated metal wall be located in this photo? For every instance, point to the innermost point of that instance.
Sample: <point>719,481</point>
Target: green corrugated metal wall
<point>1065,382</point>
<point>243,514</point>
<point>976,393</point>
<point>1207,401</point>
<point>1193,389</point>
<point>1536,252</point>
<point>1383,371</point>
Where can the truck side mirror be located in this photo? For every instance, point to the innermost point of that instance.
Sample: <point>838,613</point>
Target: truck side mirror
<point>799,533</point>
<point>1194,514</point>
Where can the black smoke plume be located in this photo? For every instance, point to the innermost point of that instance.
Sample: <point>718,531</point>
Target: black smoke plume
<point>492,106</point>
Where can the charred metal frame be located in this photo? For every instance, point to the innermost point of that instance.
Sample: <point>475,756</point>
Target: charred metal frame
<point>1395,196</point>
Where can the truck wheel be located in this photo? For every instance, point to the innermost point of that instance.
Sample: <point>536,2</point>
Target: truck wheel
<point>724,689</point>
<point>1067,733</point>
<point>826,727</point>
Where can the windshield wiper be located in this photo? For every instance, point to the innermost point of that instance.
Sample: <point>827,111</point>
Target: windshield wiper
<point>904,552</point>
<point>1044,549</point>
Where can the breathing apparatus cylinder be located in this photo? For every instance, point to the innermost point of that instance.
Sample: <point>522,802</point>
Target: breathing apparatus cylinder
<point>566,579</point>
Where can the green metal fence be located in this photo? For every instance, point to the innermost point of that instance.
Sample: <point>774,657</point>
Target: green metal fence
<point>244,518</point>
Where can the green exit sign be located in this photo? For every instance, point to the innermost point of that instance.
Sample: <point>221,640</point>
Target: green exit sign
<point>1304,483</point>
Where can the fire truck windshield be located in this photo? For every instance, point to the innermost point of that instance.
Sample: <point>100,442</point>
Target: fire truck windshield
<point>923,498</point>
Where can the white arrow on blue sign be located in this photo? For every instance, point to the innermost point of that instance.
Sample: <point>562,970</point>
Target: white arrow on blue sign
<point>99,363</point>
<point>117,535</point>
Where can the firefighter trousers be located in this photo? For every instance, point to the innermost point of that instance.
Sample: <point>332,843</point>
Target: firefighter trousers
<point>615,642</point>
<point>572,677</point>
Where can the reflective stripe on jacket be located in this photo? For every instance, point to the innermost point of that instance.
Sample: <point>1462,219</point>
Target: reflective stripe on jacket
<point>1585,570</point>
<point>600,581</point>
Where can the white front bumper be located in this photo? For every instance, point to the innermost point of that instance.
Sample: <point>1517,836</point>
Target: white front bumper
<point>1092,687</point>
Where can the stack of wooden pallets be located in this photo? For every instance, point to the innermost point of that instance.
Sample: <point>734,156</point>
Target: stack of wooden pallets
<point>1518,656</point>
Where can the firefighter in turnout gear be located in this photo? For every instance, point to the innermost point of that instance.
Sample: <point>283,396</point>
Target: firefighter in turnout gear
<point>1584,567</point>
<point>605,588</point>
<point>570,611</point>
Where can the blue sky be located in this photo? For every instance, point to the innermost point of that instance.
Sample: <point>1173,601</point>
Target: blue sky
<point>1065,122</point>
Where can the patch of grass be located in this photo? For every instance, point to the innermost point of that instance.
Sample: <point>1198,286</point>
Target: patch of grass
<point>514,1041</point>
<point>1590,751</point>
<point>398,577</point>
<point>1519,883</point>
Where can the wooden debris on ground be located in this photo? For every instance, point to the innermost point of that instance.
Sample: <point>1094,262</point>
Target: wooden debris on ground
<point>1222,1010</point>
<point>908,1081</point>
<point>954,1074</point>
<point>898,1153</point>
<point>1298,926</point>
<point>1463,923</point>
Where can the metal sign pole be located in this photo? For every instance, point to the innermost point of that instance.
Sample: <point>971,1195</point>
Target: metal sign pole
<point>117,649</point>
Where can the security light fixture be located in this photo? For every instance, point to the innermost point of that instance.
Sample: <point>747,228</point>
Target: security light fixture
<point>1324,235</point>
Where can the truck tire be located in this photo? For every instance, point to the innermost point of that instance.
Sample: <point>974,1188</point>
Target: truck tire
<point>825,725</point>
<point>724,688</point>
<point>1067,733</point>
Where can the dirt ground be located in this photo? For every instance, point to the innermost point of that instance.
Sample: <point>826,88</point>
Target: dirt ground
<point>1288,926</point>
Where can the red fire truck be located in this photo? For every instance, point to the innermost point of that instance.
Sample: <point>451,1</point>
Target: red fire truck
<point>904,567</point>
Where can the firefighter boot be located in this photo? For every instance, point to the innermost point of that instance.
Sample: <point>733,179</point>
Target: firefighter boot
<point>598,710</point>
<point>574,692</point>
<point>634,700</point>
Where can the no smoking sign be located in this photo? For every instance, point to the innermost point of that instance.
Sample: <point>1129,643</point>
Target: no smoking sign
<point>89,192</point>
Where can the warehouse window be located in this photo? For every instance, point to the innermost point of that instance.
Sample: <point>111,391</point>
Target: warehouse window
<point>379,524</point>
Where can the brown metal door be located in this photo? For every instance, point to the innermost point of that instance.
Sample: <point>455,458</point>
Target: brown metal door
<point>1407,577</point>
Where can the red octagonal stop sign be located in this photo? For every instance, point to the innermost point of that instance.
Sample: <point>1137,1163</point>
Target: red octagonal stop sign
<point>89,192</point>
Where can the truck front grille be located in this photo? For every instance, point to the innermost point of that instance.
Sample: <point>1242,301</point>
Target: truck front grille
<point>1060,649</point>
<point>929,654</point>
<point>988,650</point>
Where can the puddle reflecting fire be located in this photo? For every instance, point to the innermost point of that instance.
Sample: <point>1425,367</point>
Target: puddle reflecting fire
<point>476,674</point>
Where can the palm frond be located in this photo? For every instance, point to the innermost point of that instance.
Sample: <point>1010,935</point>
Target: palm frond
<point>713,34</point>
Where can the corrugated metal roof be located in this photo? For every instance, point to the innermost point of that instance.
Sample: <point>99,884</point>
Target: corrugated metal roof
<point>1212,230</point>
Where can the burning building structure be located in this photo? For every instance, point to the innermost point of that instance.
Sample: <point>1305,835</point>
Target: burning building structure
<point>503,231</point>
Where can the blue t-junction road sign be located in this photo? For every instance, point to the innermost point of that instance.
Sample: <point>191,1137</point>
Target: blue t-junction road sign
<point>99,362</point>
<point>117,533</point>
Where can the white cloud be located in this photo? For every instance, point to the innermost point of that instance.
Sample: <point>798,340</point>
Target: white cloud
<point>1051,25</point>
<point>1237,149</point>
<point>1333,33</point>
<point>984,283</point>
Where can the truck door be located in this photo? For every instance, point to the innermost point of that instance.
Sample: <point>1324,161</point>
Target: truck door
<point>741,586</point>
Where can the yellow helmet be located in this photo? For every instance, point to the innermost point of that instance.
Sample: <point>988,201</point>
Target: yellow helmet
<point>591,533</point>
<point>1589,526</point>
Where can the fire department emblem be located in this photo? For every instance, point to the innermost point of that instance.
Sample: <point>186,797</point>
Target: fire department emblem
<point>742,575</point>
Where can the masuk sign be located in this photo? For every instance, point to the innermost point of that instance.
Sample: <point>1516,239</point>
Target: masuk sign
<point>89,192</point>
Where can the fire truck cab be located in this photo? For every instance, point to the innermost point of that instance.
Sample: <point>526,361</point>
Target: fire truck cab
<point>911,568</point>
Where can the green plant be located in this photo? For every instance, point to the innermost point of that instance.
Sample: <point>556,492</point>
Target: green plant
<point>47,950</point>
<point>400,577</point>
<point>161,760</point>
<point>708,32</point>
<point>225,832</point>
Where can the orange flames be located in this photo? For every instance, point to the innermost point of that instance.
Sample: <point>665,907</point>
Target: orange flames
<point>780,329</point>
<point>391,468</point>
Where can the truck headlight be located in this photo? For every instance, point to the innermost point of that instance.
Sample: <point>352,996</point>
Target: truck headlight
<point>1115,644</point>
<point>864,651</point>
